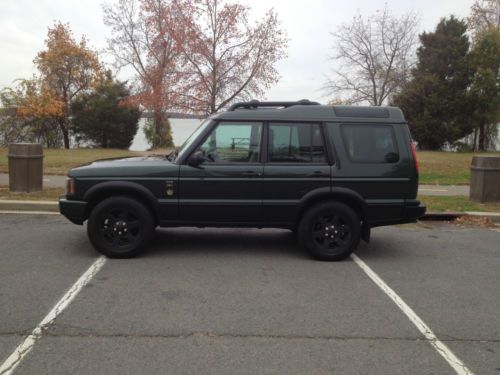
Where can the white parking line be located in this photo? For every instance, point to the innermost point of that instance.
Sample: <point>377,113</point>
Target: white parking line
<point>440,347</point>
<point>25,347</point>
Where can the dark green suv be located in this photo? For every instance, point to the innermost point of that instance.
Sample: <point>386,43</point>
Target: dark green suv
<point>329,173</point>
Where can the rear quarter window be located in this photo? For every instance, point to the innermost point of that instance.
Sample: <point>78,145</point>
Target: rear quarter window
<point>370,143</point>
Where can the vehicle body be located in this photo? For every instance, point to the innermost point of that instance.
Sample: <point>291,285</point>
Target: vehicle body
<point>263,164</point>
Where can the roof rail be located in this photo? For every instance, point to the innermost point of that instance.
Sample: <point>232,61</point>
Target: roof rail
<point>257,104</point>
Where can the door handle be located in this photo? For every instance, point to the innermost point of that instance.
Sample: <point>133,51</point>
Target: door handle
<point>319,174</point>
<point>251,174</point>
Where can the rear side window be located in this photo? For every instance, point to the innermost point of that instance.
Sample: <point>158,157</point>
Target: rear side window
<point>296,143</point>
<point>370,143</point>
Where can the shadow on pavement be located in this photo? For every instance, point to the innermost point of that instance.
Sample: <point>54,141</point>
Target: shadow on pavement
<point>227,241</point>
<point>382,245</point>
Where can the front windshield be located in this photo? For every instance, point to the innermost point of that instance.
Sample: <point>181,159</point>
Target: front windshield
<point>191,138</point>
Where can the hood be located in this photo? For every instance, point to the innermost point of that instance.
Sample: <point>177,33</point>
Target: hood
<point>141,166</point>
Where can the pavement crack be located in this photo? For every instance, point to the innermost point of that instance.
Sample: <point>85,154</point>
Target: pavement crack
<point>250,336</point>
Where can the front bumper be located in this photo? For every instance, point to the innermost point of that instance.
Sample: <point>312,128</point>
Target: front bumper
<point>74,211</point>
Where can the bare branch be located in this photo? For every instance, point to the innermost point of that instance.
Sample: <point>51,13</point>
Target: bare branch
<point>375,56</point>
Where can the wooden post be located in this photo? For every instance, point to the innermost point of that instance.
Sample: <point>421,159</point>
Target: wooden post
<point>25,167</point>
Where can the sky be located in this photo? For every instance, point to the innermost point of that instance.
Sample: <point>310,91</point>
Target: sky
<point>24,23</point>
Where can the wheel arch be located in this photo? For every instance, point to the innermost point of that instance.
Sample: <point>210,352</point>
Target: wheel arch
<point>343,195</point>
<point>133,190</point>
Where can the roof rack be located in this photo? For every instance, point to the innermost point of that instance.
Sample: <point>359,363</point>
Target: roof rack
<point>256,104</point>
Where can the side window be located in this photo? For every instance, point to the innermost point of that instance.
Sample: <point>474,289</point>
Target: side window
<point>296,143</point>
<point>233,143</point>
<point>370,143</point>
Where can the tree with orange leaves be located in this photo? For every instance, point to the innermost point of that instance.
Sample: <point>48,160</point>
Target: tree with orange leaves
<point>32,115</point>
<point>67,68</point>
<point>36,100</point>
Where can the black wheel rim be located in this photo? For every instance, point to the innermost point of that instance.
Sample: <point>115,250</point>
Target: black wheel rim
<point>120,228</point>
<point>331,232</point>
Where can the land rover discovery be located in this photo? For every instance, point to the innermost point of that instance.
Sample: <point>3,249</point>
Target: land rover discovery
<point>329,173</point>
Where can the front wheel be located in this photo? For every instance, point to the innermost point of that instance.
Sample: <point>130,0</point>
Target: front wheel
<point>119,227</point>
<point>330,231</point>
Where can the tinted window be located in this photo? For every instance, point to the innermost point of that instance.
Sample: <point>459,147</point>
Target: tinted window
<point>296,143</point>
<point>233,143</point>
<point>370,143</point>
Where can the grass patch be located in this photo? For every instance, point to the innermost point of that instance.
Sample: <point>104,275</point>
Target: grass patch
<point>436,168</point>
<point>446,168</point>
<point>59,161</point>
<point>437,203</point>
<point>47,194</point>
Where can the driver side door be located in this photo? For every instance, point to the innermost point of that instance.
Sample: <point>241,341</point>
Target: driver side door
<point>227,186</point>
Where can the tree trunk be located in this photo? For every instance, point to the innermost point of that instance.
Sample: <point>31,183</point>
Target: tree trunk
<point>482,137</point>
<point>104,140</point>
<point>65,131</point>
<point>158,120</point>
<point>474,143</point>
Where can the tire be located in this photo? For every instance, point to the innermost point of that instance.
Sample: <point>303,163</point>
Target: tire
<point>329,231</point>
<point>120,227</point>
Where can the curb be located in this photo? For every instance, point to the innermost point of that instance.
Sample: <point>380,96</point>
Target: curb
<point>493,216</point>
<point>441,216</point>
<point>34,206</point>
<point>53,206</point>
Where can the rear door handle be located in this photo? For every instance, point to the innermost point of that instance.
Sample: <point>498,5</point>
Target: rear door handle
<point>251,174</point>
<point>319,174</point>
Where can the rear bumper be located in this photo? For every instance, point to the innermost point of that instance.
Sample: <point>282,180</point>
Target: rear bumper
<point>74,211</point>
<point>408,211</point>
<point>413,210</point>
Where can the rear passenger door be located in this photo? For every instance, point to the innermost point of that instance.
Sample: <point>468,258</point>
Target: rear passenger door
<point>296,164</point>
<point>374,161</point>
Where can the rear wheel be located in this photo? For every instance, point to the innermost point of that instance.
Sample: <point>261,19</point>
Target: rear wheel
<point>119,227</point>
<point>330,231</point>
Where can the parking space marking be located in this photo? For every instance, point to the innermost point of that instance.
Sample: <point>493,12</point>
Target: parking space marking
<point>25,347</point>
<point>440,347</point>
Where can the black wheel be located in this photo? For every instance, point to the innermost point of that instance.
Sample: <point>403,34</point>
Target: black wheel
<point>119,227</point>
<point>330,231</point>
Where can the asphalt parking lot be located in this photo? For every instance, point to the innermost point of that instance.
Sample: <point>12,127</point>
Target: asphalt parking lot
<point>245,301</point>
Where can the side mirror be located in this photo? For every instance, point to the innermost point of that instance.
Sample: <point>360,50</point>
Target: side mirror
<point>196,158</point>
<point>391,157</point>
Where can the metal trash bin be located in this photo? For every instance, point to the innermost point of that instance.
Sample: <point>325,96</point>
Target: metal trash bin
<point>25,167</point>
<point>485,179</point>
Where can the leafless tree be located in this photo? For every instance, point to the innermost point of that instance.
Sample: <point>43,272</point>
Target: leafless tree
<point>225,56</point>
<point>485,14</point>
<point>141,39</point>
<point>373,57</point>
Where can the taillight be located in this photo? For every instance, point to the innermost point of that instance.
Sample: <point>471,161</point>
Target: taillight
<point>414,151</point>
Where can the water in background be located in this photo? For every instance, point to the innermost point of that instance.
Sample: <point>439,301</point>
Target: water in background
<point>181,129</point>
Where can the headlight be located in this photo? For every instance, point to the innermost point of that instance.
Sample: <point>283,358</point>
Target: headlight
<point>70,185</point>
